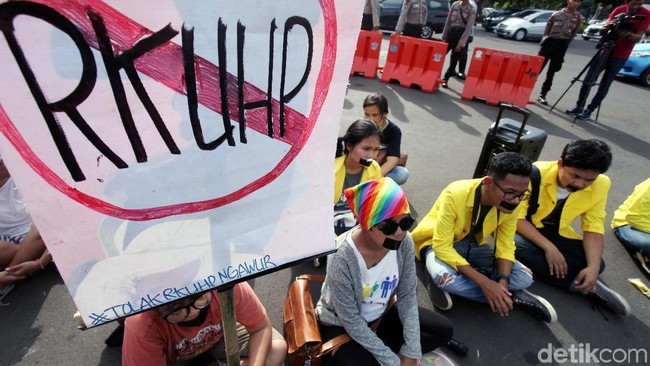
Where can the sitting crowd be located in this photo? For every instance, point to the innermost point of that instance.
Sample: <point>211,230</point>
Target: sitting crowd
<point>484,239</point>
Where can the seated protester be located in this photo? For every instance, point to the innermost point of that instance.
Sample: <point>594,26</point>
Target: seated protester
<point>355,163</point>
<point>190,329</point>
<point>412,17</point>
<point>375,107</point>
<point>631,223</point>
<point>374,262</point>
<point>22,250</point>
<point>572,187</point>
<point>451,240</point>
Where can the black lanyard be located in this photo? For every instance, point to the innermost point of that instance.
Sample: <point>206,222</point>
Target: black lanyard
<point>474,223</point>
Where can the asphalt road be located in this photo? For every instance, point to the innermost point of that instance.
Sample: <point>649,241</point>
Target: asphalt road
<point>443,136</point>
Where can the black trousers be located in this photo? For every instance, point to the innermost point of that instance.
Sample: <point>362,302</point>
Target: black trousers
<point>453,37</point>
<point>534,258</point>
<point>412,30</point>
<point>366,22</point>
<point>435,331</point>
<point>553,51</point>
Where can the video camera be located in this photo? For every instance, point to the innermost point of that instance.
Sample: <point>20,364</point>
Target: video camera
<point>621,23</point>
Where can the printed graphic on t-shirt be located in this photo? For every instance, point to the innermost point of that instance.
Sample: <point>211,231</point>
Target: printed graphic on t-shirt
<point>385,289</point>
<point>205,339</point>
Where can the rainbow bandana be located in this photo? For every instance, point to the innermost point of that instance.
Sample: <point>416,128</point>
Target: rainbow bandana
<point>375,201</point>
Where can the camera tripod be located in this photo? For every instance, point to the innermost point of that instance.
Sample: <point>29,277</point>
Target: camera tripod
<point>598,62</point>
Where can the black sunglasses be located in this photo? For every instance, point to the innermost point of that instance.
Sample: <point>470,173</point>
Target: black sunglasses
<point>389,227</point>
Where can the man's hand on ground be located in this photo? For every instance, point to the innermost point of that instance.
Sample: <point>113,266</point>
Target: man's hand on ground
<point>499,298</point>
<point>556,263</point>
<point>586,279</point>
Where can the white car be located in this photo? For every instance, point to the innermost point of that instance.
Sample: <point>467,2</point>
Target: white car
<point>529,27</point>
<point>593,30</point>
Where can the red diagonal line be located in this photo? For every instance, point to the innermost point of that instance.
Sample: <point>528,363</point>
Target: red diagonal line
<point>165,65</point>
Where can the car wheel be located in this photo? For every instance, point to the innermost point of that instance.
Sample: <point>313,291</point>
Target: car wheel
<point>427,31</point>
<point>645,77</point>
<point>519,35</point>
<point>489,29</point>
<point>586,38</point>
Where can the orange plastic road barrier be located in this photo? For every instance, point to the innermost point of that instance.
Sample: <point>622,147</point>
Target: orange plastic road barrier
<point>366,57</point>
<point>414,61</point>
<point>498,76</point>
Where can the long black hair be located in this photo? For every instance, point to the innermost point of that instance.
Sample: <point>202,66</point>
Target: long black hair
<point>358,131</point>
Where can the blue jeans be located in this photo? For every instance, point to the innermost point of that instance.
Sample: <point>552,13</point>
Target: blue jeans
<point>637,240</point>
<point>399,174</point>
<point>482,258</point>
<point>611,68</point>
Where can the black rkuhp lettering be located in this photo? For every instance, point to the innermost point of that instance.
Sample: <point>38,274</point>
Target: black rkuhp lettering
<point>124,61</point>
<point>286,98</point>
<point>69,104</point>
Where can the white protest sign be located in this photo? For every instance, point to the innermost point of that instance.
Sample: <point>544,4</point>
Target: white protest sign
<point>168,147</point>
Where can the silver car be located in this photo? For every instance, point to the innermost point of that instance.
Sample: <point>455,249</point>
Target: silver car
<point>593,30</point>
<point>529,27</point>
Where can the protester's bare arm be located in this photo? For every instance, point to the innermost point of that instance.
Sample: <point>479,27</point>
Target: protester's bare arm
<point>593,244</point>
<point>259,344</point>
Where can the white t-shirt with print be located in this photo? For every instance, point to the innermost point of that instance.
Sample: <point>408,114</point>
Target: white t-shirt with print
<point>379,283</point>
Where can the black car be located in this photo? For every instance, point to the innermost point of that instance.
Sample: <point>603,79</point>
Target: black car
<point>437,15</point>
<point>490,22</point>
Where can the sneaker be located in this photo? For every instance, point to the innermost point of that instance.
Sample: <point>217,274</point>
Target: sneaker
<point>457,347</point>
<point>536,305</point>
<point>542,100</point>
<point>4,290</point>
<point>439,298</point>
<point>444,84</point>
<point>584,115</point>
<point>460,76</point>
<point>575,111</point>
<point>611,299</point>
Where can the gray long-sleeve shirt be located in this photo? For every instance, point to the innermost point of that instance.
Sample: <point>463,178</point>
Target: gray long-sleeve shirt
<point>340,301</point>
<point>372,7</point>
<point>413,12</point>
<point>460,16</point>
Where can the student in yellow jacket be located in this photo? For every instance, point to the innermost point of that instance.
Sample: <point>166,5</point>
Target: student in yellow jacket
<point>572,187</point>
<point>355,163</point>
<point>631,222</point>
<point>451,240</point>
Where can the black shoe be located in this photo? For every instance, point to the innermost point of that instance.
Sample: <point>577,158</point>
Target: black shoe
<point>611,299</point>
<point>444,84</point>
<point>460,76</point>
<point>574,111</point>
<point>457,347</point>
<point>542,100</point>
<point>439,298</point>
<point>536,305</point>
<point>584,115</point>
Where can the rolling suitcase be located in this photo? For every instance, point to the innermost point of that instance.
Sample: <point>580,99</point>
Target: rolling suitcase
<point>506,134</point>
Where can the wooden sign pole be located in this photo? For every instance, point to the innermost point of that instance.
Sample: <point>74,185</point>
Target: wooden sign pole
<point>227,298</point>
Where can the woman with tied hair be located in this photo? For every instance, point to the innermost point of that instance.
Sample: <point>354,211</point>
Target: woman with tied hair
<point>355,163</point>
<point>374,261</point>
<point>375,108</point>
